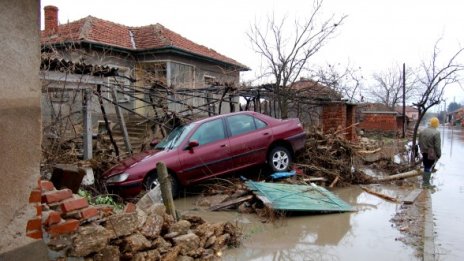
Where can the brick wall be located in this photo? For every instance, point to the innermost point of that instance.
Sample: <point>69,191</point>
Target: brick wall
<point>339,116</point>
<point>333,116</point>
<point>379,123</point>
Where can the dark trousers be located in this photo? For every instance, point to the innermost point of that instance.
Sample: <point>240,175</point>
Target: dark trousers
<point>427,163</point>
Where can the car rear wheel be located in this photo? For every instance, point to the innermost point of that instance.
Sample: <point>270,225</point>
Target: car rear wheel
<point>152,182</point>
<point>279,159</point>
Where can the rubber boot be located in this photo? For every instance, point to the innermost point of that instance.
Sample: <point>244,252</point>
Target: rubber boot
<point>426,179</point>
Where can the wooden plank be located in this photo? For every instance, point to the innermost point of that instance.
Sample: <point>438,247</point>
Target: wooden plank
<point>122,123</point>
<point>403,175</point>
<point>231,203</point>
<point>380,195</point>
<point>165,186</point>
<point>412,196</point>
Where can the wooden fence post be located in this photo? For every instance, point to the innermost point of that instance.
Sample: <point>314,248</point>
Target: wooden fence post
<point>165,185</point>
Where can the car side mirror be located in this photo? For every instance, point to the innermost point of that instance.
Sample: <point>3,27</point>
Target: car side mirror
<point>154,142</point>
<point>192,144</point>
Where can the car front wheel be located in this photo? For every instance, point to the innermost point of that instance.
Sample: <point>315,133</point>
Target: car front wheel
<point>279,159</point>
<point>152,182</point>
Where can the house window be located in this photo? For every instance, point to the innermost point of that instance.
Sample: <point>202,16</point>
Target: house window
<point>209,80</point>
<point>59,95</point>
<point>155,72</point>
<point>182,75</point>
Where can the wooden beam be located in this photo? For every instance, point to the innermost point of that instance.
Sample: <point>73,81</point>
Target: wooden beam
<point>72,78</point>
<point>380,195</point>
<point>87,122</point>
<point>165,186</point>
<point>231,203</point>
<point>403,175</point>
<point>122,123</point>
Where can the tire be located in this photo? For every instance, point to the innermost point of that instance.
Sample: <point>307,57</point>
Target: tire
<point>279,159</point>
<point>152,181</point>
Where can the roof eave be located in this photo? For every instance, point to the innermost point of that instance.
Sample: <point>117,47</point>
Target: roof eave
<point>182,52</point>
<point>91,44</point>
<point>167,49</point>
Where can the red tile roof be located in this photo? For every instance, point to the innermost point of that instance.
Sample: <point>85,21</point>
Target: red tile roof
<point>92,29</point>
<point>315,89</point>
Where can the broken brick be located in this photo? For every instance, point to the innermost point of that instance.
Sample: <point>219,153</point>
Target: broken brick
<point>34,224</point>
<point>56,196</point>
<point>88,212</point>
<point>35,234</point>
<point>51,217</point>
<point>129,208</point>
<point>35,196</point>
<point>74,204</point>
<point>39,209</point>
<point>46,185</point>
<point>65,227</point>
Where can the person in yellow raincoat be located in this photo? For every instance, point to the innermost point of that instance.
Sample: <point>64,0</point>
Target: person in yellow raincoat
<point>430,146</point>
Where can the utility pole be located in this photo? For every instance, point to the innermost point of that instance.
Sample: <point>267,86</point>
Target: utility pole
<point>404,100</point>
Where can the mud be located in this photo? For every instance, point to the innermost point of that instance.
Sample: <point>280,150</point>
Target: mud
<point>361,235</point>
<point>410,220</point>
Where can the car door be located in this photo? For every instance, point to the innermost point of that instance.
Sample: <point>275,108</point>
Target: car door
<point>249,140</point>
<point>211,157</point>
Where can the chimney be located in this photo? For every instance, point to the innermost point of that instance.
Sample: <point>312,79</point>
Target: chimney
<point>51,19</point>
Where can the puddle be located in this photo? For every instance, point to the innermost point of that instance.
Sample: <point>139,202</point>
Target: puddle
<point>366,234</point>
<point>447,200</point>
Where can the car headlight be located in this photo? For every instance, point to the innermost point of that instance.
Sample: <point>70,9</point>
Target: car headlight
<point>118,178</point>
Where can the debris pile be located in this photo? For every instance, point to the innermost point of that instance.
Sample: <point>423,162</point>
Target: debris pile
<point>332,157</point>
<point>234,195</point>
<point>72,228</point>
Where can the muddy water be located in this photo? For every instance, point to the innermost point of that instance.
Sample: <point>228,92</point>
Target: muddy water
<point>366,234</point>
<point>448,199</point>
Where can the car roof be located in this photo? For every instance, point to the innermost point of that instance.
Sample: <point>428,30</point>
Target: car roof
<point>225,115</point>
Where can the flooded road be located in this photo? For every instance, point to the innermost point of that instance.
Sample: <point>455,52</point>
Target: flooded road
<point>448,200</point>
<point>366,234</point>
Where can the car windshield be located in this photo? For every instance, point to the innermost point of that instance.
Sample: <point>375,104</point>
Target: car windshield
<point>175,138</point>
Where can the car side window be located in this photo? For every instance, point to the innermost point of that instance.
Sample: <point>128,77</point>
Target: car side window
<point>208,132</point>
<point>239,124</point>
<point>260,124</point>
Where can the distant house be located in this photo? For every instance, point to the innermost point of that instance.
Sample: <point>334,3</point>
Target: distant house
<point>319,105</point>
<point>456,118</point>
<point>92,52</point>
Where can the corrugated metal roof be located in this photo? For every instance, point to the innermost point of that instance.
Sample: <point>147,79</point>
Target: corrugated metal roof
<point>289,197</point>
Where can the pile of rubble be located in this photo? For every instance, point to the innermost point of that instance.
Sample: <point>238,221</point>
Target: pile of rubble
<point>72,228</point>
<point>332,157</point>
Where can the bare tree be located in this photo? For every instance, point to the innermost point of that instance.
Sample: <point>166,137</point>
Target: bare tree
<point>286,54</point>
<point>388,87</point>
<point>347,81</point>
<point>434,77</point>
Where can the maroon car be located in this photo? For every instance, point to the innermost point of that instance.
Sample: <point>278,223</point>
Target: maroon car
<point>210,147</point>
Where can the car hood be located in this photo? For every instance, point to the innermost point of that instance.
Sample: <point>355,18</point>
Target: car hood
<point>128,162</point>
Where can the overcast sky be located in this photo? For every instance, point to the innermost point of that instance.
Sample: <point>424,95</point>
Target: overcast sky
<point>375,36</point>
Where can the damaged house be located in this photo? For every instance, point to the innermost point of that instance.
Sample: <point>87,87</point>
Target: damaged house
<point>145,71</point>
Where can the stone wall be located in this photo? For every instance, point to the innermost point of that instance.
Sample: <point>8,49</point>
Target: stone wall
<point>20,116</point>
